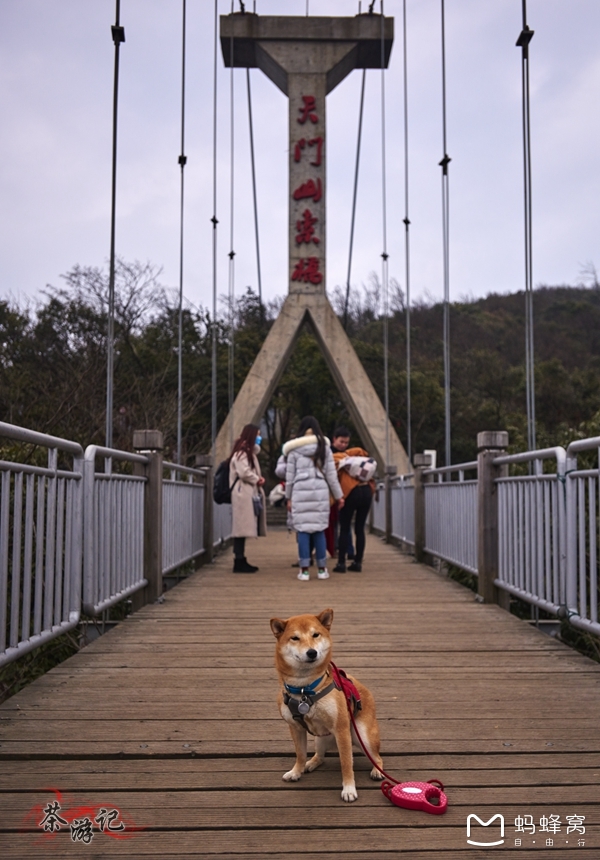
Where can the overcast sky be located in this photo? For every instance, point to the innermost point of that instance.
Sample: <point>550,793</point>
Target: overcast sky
<point>56,79</point>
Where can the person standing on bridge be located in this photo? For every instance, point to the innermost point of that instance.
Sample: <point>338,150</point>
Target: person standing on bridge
<point>358,496</point>
<point>339,444</point>
<point>310,479</point>
<point>247,496</point>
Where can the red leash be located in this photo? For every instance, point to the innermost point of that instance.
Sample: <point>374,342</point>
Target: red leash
<point>409,795</point>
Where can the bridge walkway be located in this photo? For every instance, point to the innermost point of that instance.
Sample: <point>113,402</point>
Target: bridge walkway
<point>170,719</point>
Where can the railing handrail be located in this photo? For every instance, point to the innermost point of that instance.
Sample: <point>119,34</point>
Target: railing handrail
<point>459,467</point>
<point>557,453</point>
<point>583,445</point>
<point>186,470</point>
<point>93,451</point>
<point>26,469</point>
<point>21,434</point>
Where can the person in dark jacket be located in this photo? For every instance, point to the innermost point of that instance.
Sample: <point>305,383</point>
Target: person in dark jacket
<point>358,497</point>
<point>339,444</point>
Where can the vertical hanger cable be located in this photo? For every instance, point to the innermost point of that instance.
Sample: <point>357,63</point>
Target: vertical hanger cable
<point>354,194</point>
<point>523,41</point>
<point>182,162</point>
<point>407,242</point>
<point>254,196</point>
<point>384,255</point>
<point>214,220</point>
<point>446,251</point>
<point>231,290</point>
<point>118,35</point>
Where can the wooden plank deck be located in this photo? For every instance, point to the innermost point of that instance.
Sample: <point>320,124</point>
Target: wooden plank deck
<point>171,719</point>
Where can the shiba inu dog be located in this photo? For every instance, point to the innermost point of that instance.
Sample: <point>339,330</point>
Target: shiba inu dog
<point>311,699</point>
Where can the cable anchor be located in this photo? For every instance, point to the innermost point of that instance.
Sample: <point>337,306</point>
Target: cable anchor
<point>444,163</point>
<point>118,33</point>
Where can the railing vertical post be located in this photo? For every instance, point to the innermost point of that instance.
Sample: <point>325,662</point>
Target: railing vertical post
<point>567,506</point>
<point>205,461</point>
<point>390,473</point>
<point>420,463</point>
<point>150,443</point>
<point>490,444</point>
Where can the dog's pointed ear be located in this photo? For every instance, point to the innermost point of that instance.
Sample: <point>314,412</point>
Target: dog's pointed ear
<point>326,618</point>
<point>278,625</point>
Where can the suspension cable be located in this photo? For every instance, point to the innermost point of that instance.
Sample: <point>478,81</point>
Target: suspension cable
<point>384,255</point>
<point>214,248</point>
<point>254,197</point>
<point>446,249</point>
<point>407,242</point>
<point>231,291</point>
<point>118,36</point>
<point>523,41</point>
<point>182,162</point>
<point>353,216</point>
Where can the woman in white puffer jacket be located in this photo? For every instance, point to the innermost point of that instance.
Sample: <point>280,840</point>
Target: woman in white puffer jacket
<point>310,480</point>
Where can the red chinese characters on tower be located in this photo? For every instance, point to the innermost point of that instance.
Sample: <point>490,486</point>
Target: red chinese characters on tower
<point>307,270</point>
<point>309,153</point>
<point>310,189</point>
<point>307,110</point>
<point>306,229</point>
<point>302,143</point>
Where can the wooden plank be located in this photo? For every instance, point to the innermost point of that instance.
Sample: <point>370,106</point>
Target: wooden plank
<point>73,780</point>
<point>219,807</point>
<point>392,729</point>
<point>504,762</point>
<point>439,835</point>
<point>203,852</point>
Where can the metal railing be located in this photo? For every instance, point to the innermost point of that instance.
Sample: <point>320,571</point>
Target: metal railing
<point>76,540</point>
<point>451,515</point>
<point>378,521</point>
<point>583,506</point>
<point>114,530</point>
<point>531,524</point>
<point>402,498</point>
<point>182,516</point>
<point>221,524</point>
<point>40,545</point>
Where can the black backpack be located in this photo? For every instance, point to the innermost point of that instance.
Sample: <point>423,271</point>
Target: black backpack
<point>221,488</point>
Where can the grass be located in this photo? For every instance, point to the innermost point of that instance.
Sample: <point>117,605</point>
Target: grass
<point>26,669</point>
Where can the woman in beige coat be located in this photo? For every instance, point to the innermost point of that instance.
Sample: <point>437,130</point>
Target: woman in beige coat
<point>247,495</point>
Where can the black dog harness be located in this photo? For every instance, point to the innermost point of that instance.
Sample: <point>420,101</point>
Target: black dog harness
<point>300,707</point>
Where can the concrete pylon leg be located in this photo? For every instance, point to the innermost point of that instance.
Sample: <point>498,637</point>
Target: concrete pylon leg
<point>358,394</point>
<point>355,387</point>
<point>257,390</point>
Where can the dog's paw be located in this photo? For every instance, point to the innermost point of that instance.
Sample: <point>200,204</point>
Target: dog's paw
<point>315,762</point>
<point>349,793</point>
<point>376,774</point>
<point>292,775</point>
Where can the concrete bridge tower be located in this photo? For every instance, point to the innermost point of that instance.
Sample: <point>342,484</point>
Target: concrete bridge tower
<point>306,57</point>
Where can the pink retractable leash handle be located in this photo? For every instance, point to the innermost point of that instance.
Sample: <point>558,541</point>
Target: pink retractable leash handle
<point>417,795</point>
